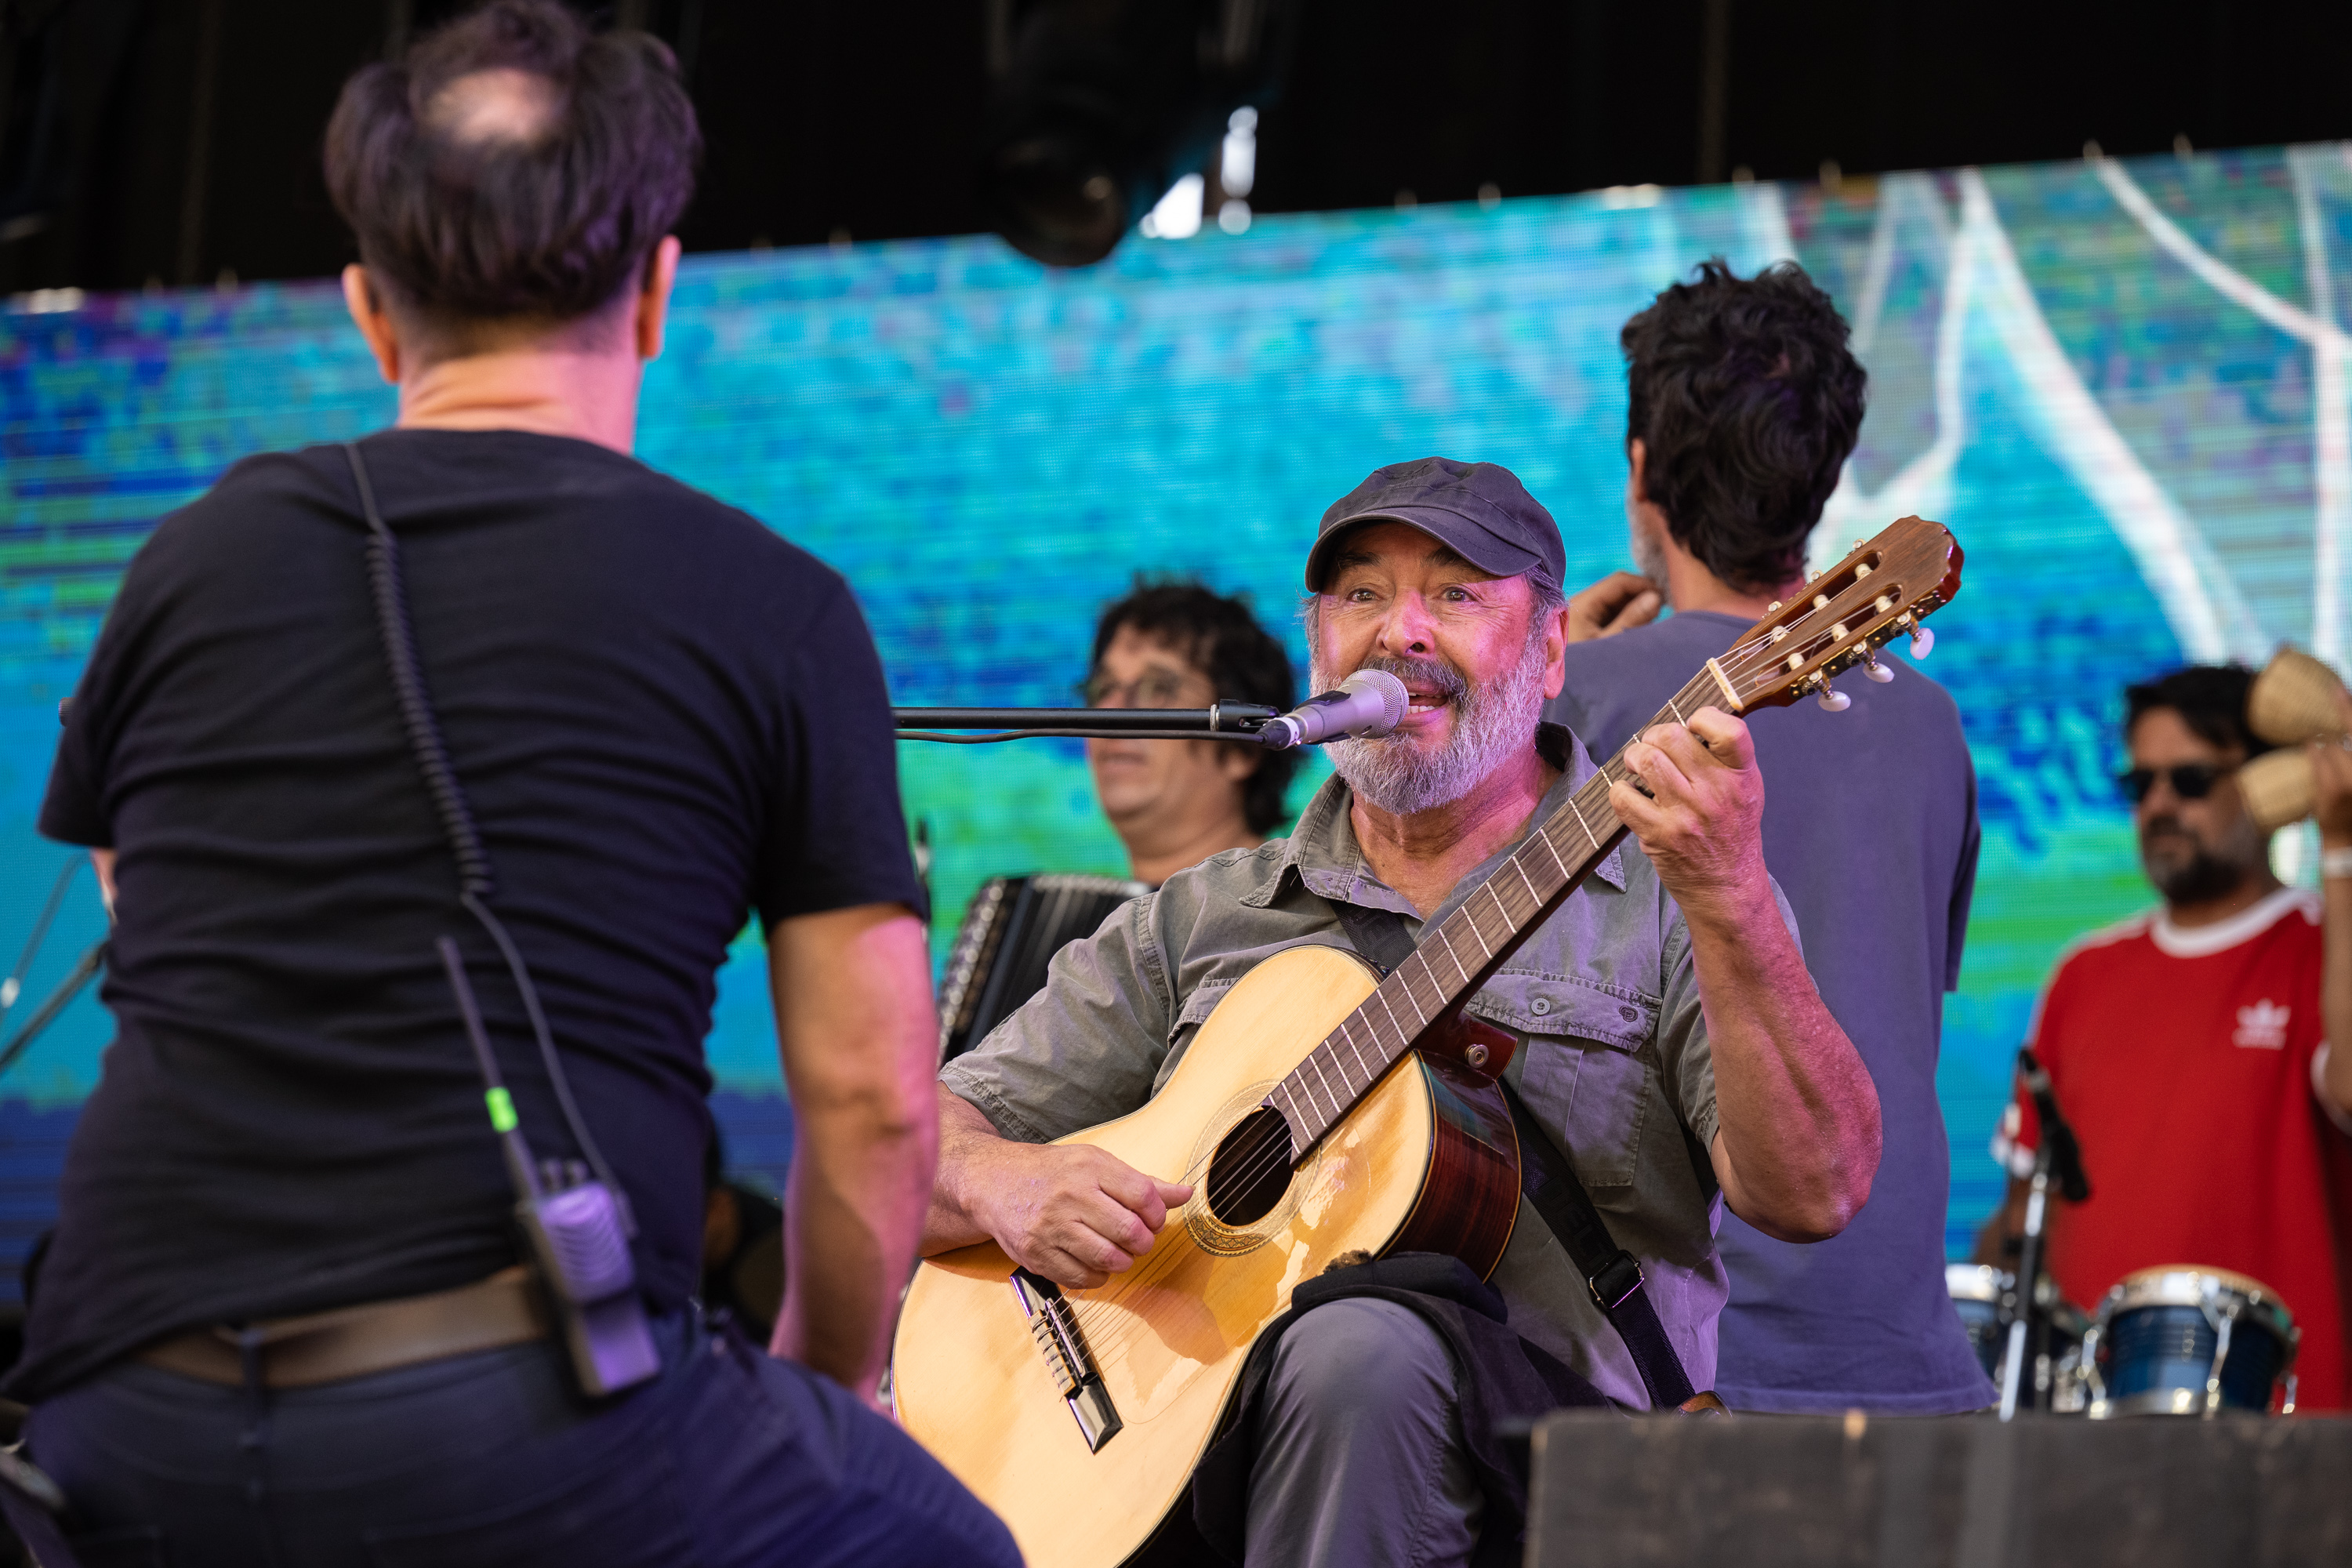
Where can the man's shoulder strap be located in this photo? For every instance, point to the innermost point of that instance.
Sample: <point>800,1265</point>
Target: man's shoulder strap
<point>1548,1179</point>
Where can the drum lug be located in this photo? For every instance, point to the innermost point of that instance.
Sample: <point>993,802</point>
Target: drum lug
<point>2224,1319</point>
<point>2097,1405</point>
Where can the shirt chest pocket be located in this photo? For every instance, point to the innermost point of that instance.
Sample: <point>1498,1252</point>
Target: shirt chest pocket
<point>1585,1067</point>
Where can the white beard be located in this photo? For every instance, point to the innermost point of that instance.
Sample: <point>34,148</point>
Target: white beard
<point>1491,725</point>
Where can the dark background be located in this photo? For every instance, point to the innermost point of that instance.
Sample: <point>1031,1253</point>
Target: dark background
<point>176,141</point>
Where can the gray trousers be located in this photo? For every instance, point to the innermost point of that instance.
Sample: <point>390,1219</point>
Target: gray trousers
<point>1360,1460</point>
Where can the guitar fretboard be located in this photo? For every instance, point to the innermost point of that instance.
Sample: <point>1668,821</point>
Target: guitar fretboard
<point>1461,952</point>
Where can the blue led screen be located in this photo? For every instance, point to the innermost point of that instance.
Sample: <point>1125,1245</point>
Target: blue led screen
<point>2124,386</point>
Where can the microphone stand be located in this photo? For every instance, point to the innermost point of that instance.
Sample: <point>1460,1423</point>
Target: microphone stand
<point>1221,719</point>
<point>84,971</point>
<point>2056,1156</point>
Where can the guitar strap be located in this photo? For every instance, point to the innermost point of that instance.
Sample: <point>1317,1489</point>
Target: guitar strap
<point>1553,1190</point>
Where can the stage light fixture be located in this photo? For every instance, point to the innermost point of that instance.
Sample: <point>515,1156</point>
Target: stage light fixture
<point>1102,110</point>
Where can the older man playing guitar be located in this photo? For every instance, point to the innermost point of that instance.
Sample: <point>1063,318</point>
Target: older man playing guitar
<point>1660,1026</point>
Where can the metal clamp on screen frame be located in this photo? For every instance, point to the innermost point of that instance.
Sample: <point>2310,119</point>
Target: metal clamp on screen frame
<point>1615,1284</point>
<point>1221,720</point>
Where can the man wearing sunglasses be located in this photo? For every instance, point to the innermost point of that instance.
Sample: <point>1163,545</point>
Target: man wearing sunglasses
<point>2189,1046</point>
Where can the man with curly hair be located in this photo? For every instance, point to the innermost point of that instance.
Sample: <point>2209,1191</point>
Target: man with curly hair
<point>1744,402</point>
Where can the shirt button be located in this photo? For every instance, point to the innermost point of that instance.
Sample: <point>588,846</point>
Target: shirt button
<point>1631,1014</point>
<point>1539,1006</point>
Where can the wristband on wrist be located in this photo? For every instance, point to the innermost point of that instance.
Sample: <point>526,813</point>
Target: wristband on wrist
<point>2336,862</point>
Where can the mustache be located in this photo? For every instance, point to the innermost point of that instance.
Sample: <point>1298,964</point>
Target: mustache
<point>1450,683</point>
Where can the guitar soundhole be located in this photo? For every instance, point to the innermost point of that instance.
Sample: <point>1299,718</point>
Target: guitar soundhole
<point>1251,1169</point>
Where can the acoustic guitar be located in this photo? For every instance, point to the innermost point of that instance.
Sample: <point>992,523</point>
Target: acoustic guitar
<point>1322,1110</point>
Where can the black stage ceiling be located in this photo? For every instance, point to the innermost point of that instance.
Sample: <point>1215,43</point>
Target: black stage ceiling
<point>175,141</point>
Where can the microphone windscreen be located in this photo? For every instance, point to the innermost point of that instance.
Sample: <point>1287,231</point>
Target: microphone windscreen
<point>1395,700</point>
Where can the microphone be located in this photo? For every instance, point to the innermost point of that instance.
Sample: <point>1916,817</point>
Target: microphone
<point>1370,703</point>
<point>2066,1153</point>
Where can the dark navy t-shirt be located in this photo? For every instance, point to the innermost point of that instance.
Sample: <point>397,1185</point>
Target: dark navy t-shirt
<point>664,717</point>
<point>1870,827</point>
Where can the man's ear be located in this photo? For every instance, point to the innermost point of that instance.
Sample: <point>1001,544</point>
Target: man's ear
<point>366,304</point>
<point>1554,652</point>
<point>1236,763</point>
<point>652,310</point>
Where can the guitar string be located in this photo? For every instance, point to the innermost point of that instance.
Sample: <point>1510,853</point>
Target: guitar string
<point>1739,665</point>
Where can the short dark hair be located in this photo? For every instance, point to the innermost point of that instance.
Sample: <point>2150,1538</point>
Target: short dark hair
<point>1746,402</point>
<point>2210,699</point>
<point>1220,638</point>
<point>550,226</point>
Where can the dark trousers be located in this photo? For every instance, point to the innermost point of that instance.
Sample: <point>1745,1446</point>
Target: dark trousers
<point>731,1457</point>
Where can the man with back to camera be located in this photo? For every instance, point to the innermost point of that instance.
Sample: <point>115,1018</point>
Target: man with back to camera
<point>1744,404</point>
<point>1173,803</point>
<point>1672,1043</point>
<point>2189,1046</point>
<point>661,716</point>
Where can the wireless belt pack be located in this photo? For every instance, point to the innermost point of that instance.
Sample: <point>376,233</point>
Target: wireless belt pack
<point>576,1235</point>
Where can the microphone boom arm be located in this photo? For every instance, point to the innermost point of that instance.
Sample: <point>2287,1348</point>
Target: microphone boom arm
<point>1219,720</point>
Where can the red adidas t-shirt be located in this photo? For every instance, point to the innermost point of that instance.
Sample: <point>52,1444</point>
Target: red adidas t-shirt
<point>2188,1063</point>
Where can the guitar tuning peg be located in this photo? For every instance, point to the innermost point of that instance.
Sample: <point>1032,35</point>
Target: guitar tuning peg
<point>1923,643</point>
<point>1877,671</point>
<point>1833,699</point>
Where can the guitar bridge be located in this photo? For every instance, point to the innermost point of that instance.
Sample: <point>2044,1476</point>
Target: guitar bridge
<point>1055,1329</point>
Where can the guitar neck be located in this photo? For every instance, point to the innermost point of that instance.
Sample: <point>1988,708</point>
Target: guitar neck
<point>1462,952</point>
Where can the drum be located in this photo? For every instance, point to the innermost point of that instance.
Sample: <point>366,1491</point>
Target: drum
<point>1978,1291</point>
<point>2068,1388</point>
<point>1982,1297</point>
<point>2183,1339</point>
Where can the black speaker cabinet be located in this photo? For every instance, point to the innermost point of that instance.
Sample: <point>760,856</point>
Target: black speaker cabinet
<point>1951,1492</point>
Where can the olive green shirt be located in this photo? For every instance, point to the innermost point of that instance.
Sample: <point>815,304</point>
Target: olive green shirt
<point>1613,1054</point>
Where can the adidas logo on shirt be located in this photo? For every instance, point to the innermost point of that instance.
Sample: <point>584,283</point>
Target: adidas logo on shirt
<point>2261,1026</point>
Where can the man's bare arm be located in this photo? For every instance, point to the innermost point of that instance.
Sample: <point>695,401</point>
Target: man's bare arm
<point>1069,1211</point>
<point>860,1043</point>
<point>102,862</point>
<point>1797,1134</point>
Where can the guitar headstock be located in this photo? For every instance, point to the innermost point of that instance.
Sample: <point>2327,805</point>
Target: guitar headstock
<point>1886,589</point>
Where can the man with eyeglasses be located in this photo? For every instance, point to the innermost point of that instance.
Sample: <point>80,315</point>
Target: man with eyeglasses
<point>1175,803</point>
<point>2189,1046</point>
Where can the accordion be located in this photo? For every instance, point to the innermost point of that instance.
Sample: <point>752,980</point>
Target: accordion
<point>1010,931</point>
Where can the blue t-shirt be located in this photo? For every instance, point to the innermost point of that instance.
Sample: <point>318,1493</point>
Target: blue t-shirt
<point>1870,827</point>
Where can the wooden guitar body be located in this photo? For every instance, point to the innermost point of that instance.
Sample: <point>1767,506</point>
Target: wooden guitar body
<point>1426,1161</point>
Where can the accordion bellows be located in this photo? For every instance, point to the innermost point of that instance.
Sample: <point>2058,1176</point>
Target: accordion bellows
<point>1010,931</point>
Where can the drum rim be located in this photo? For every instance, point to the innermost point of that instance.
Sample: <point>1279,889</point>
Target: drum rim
<point>2000,1280</point>
<point>2185,1285</point>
